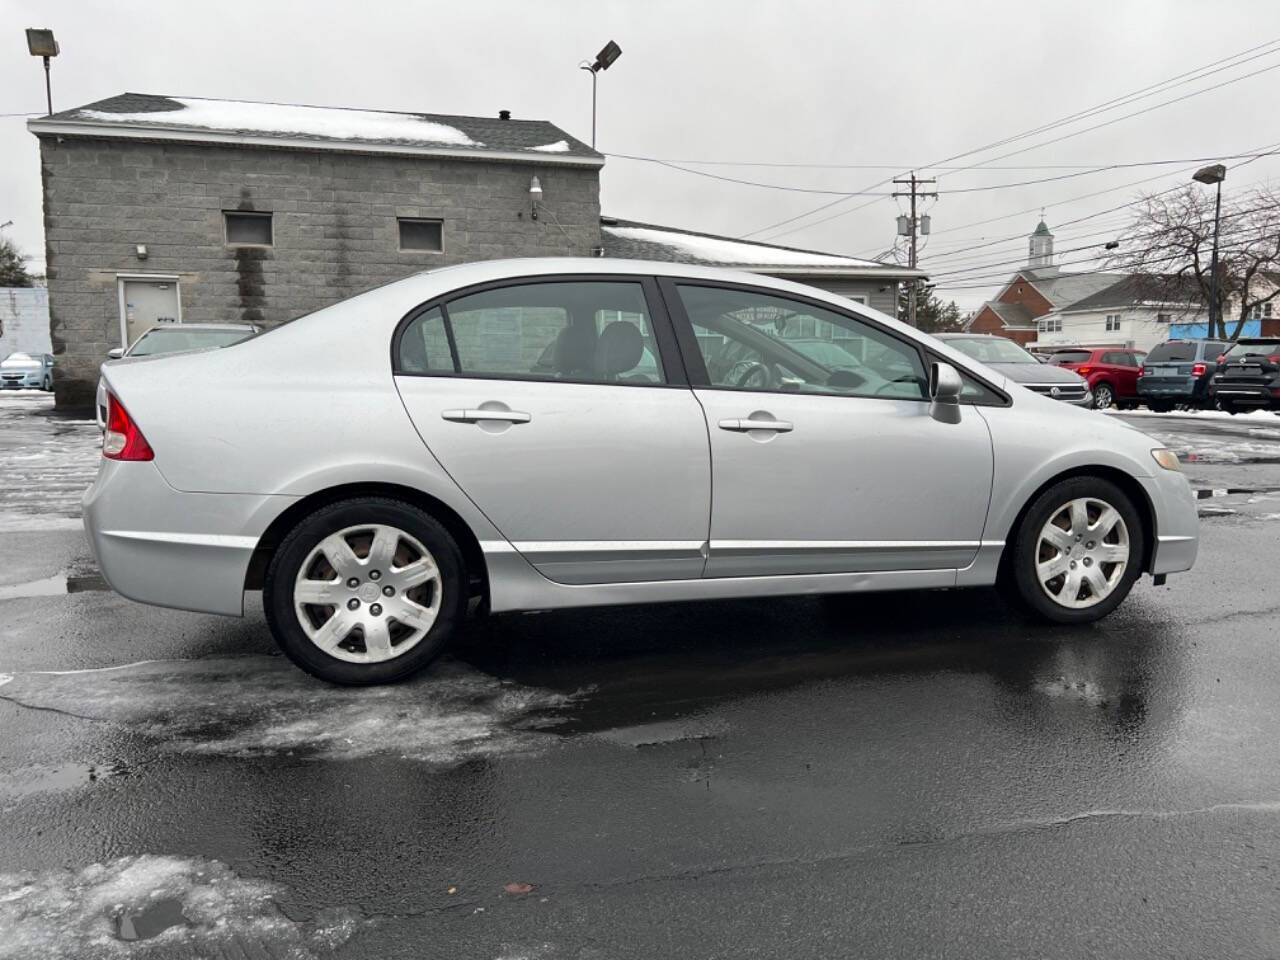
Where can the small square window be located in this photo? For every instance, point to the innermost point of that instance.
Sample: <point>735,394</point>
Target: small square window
<point>421,235</point>
<point>247,229</point>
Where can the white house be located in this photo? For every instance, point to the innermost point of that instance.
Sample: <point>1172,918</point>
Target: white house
<point>1128,313</point>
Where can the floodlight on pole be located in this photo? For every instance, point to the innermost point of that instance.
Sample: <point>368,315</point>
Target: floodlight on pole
<point>40,43</point>
<point>1213,174</point>
<point>604,60</point>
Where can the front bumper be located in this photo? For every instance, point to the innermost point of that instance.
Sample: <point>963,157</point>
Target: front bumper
<point>31,381</point>
<point>158,545</point>
<point>1177,522</point>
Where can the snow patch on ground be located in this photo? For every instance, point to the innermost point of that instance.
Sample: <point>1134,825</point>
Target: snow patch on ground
<point>46,466</point>
<point>714,250</point>
<point>83,913</point>
<point>332,123</point>
<point>264,706</point>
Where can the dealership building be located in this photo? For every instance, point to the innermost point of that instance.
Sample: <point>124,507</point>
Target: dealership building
<point>181,210</point>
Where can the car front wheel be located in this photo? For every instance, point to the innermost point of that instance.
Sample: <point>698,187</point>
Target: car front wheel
<point>365,591</point>
<point>1103,396</point>
<point>1077,551</point>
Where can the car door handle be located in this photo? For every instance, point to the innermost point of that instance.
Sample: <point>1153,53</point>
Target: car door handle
<point>471,415</point>
<point>742,426</point>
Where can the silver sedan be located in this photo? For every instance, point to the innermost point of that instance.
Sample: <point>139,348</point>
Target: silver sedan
<point>532,434</point>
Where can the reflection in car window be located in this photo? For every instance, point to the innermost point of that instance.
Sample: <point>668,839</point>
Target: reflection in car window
<point>1175,351</point>
<point>988,349</point>
<point>599,332</point>
<point>750,340</point>
<point>175,340</point>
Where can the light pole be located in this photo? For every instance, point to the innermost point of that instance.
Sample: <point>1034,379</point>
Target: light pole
<point>604,60</point>
<point>1214,174</point>
<point>40,43</point>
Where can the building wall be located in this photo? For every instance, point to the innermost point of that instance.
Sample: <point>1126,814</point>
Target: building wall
<point>988,321</point>
<point>24,320</point>
<point>880,295</point>
<point>1021,291</point>
<point>1139,328</point>
<point>334,221</point>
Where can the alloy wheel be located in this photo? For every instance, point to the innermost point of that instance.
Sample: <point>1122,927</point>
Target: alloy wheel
<point>367,594</point>
<point>1103,397</point>
<point>1082,552</point>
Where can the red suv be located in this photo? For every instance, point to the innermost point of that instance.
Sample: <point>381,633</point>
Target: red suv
<point>1112,373</point>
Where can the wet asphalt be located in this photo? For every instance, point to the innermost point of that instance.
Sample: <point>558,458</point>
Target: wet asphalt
<point>908,775</point>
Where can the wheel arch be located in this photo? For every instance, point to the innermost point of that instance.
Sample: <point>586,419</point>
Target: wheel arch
<point>278,529</point>
<point>1127,483</point>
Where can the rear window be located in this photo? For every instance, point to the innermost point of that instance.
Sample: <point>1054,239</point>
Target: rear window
<point>1174,351</point>
<point>176,340</point>
<point>1070,356</point>
<point>1264,349</point>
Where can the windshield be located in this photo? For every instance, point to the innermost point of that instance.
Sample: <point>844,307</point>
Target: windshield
<point>991,350</point>
<point>1264,349</point>
<point>174,340</point>
<point>1070,356</point>
<point>1175,351</point>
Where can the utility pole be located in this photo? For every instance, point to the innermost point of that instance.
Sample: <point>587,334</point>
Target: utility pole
<point>911,227</point>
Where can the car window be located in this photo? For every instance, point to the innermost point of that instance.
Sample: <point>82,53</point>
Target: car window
<point>1172,351</point>
<point>987,349</point>
<point>597,332</point>
<point>1214,349</point>
<point>1246,348</point>
<point>1117,358</point>
<point>1070,356</point>
<point>175,340</point>
<point>752,340</point>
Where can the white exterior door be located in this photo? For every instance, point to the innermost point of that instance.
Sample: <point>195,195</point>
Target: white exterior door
<point>146,303</point>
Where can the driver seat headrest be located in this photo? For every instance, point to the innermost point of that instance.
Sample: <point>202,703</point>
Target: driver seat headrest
<point>619,349</point>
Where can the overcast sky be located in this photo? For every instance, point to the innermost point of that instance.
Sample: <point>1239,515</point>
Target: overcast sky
<point>901,84</point>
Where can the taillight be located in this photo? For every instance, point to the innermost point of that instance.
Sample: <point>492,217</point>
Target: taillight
<point>123,440</point>
<point>1084,371</point>
<point>1222,358</point>
<point>1142,370</point>
<point>1274,359</point>
<point>1199,370</point>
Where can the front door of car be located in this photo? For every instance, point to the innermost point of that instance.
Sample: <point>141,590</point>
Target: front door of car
<point>826,458</point>
<point>561,409</point>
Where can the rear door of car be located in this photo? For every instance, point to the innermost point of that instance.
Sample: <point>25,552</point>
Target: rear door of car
<point>591,459</point>
<point>825,469</point>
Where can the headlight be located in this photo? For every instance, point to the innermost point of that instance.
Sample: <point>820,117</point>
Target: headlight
<point>1166,458</point>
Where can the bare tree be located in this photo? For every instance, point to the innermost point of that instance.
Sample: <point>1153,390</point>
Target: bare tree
<point>1170,243</point>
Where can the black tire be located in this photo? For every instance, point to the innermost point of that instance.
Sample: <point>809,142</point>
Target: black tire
<point>1103,391</point>
<point>298,545</point>
<point>1019,577</point>
<point>1159,406</point>
<point>1227,406</point>
<point>47,387</point>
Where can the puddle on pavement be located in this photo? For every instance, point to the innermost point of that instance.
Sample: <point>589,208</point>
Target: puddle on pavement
<point>151,921</point>
<point>260,706</point>
<point>53,586</point>
<point>162,906</point>
<point>54,778</point>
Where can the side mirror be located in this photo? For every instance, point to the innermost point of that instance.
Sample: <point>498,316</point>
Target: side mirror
<point>945,387</point>
<point>115,353</point>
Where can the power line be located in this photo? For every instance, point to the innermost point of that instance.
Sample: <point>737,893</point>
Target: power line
<point>1071,118</point>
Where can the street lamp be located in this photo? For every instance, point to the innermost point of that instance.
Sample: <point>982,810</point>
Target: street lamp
<point>1214,174</point>
<point>604,60</point>
<point>40,43</point>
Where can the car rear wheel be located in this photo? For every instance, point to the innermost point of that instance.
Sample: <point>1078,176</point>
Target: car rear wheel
<point>1227,406</point>
<point>365,591</point>
<point>1160,406</point>
<point>1103,396</point>
<point>1077,551</point>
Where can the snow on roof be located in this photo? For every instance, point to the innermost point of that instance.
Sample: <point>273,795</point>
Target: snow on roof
<point>329,122</point>
<point>721,250</point>
<point>560,146</point>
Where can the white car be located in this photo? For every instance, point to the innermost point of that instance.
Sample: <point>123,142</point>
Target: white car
<point>378,464</point>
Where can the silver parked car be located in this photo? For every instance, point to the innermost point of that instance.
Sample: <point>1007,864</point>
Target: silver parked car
<point>27,371</point>
<point>1022,367</point>
<point>377,465</point>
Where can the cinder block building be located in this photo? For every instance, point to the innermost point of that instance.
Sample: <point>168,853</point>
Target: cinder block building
<point>168,210</point>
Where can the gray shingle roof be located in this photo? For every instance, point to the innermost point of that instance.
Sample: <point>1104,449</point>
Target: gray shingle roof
<point>632,240</point>
<point>164,117</point>
<point>1063,289</point>
<point>1137,289</point>
<point>1011,314</point>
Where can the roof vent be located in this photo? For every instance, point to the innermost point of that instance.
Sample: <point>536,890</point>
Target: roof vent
<point>504,114</point>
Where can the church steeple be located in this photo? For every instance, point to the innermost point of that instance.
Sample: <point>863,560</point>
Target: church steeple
<point>1040,245</point>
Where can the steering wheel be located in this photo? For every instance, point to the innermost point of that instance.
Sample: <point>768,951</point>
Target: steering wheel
<point>750,369</point>
<point>906,378</point>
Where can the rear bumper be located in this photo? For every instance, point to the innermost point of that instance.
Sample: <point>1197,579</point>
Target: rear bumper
<point>158,545</point>
<point>1245,393</point>
<point>1177,522</point>
<point>1173,389</point>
